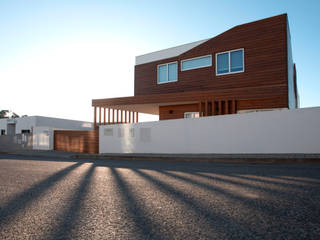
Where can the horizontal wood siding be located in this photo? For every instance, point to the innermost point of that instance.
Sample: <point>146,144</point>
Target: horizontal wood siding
<point>176,111</point>
<point>265,62</point>
<point>76,141</point>
<point>278,102</point>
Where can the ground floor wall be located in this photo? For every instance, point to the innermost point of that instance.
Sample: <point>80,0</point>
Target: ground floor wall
<point>226,105</point>
<point>278,131</point>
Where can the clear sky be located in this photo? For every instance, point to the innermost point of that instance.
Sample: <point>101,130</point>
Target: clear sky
<point>55,56</point>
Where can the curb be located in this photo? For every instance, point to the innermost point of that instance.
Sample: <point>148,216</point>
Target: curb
<point>214,158</point>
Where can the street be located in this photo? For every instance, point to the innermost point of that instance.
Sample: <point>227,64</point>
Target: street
<point>47,198</point>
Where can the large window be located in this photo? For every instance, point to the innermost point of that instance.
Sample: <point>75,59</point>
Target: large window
<point>168,72</point>
<point>198,62</point>
<point>230,62</point>
<point>191,114</point>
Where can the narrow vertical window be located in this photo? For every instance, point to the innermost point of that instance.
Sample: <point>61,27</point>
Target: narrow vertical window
<point>162,73</point>
<point>223,63</point>
<point>236,60</point>
<point>172,72</point>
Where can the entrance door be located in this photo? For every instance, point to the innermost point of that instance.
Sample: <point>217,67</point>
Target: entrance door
<point>11,128</point>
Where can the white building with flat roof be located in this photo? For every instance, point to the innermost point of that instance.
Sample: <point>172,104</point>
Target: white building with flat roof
<point>41,128</point>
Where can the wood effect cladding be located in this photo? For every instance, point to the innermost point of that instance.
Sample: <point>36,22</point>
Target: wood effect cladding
<point>176,111</point>
<point>76,141</point>
<point>265,61</point>
<point>213,107</point>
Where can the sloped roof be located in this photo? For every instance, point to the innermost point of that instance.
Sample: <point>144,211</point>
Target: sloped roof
<point>167,53</point>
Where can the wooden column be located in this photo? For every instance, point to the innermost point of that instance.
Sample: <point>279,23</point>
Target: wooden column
<point>99,116</point>
<point>129,116</point>
<point>137,117</point>
<point>113,116</point>
<point>213,107</point>
<point>226,107</point>
<point>220,107</point>
<point>121,113</point>
<point>200,110</point>
<point>133,118</point>
<point>125,116</point>
<point>206,108</point>
<point>108,115</point>
<point>117,115</point>
<point>234,106</point>
<point>104,119</point>
<point>95,118</point>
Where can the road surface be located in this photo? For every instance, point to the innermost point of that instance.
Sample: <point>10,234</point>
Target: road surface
<point>47,198</point>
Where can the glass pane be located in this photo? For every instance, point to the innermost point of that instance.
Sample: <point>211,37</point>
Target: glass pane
<point>236,61</point>
<point>197,63</point>
<point>162,73</point>
<point>223,63</point>
<point>173,72</point>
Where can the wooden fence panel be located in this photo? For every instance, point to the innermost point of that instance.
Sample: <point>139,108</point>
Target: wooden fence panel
<point>76,141</point>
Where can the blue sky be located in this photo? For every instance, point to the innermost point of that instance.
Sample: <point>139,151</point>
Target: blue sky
<point>55,56</point>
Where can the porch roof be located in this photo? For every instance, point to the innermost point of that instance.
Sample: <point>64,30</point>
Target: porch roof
<point>150,103</point>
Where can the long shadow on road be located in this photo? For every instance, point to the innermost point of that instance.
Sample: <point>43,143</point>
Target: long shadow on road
<point>72,214</point>
<point>22,200</point>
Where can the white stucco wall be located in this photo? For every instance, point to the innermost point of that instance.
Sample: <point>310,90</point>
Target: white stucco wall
<point>59,123</point>
<point>42,138</point>
<point>279,131</point>
<point>25,123</point>
<point>3,125</point>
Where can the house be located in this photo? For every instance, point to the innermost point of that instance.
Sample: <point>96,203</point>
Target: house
<point>35,132</point>
<point>247,68</point>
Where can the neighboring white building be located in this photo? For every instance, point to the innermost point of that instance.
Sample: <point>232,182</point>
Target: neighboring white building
<point>41,127</point>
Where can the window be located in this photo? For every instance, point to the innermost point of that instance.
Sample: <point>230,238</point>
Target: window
<point>191,114</point>
<point>25,131</point>
<point>199,62</point>
<point>230,62</point>
<point>168,72</point>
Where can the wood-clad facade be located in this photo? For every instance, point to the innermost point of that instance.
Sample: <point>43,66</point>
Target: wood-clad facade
<point>263,84</point>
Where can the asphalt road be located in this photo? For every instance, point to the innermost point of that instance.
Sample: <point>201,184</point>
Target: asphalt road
<point>56,199</point>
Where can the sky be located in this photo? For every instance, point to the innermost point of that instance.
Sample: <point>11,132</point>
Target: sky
<point>56,56</point>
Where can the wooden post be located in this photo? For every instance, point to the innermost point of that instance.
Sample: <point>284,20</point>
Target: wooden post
<point>125,116</point>
<point>226,107</point>
<point>213,107</point>
<point>234,106</point>
<point>117,115</point>
<point>220,108</point>
<point>206,108</point>
<point>200,110</point>
<point>121,113</point>
<point>137,117</point>
<point>95,118</point>
<point>99,116</point>
<point>108,115</point>
<point>113,116</point>
<point>104,119</point>
<point>133,118</point>
<point>129,116</point>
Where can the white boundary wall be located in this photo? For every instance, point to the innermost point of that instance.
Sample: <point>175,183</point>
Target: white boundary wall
<point>278,131</point>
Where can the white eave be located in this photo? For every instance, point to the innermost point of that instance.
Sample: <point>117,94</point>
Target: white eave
<point>167,53</point>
